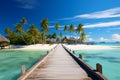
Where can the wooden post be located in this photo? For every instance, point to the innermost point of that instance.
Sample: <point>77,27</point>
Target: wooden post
<point>73,52</point>
<point>23,69</point>
<point>80,56</point>
<point>41,57</point>
<point>47,52</point>
<point>99,67</point>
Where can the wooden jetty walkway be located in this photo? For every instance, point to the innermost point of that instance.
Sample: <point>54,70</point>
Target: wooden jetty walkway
<point>59,65</point>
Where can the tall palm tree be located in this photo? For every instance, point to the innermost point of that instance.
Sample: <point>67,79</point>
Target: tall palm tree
<point>57,26</point>
<point>19,30</point>
<point>44,25</point>
<point>79,28</point>
<point>34,33</point>
<point>44,28</point>
<point>66,28</point>
<point>71,29</point>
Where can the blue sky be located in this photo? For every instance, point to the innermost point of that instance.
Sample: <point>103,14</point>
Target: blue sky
<point>101,18</point>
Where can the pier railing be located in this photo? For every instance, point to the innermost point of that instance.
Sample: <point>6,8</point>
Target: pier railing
<point>94,74</point>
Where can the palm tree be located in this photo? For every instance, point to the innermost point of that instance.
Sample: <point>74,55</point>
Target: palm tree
<point>44,25</point>
<point>24,21</point>
<point>64,39</point>
<point>8,31</point>
<point>83,37</point>
<point>57,26</point>
<point>54,35</point>
<point>71,28</point>
<point>61,36</point>
<point>19,30</point>
<point>79,28</point>
<point>66,28</point>
<point>44,28</point>
<point>58,40</point>
<point>34,33</point>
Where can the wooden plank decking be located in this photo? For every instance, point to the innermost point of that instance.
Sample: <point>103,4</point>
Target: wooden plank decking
<point>58,66</point>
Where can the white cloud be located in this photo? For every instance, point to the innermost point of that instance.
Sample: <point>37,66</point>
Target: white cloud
<point>103,24</point>
<point>116,37</point>
<point>89,40</point>
<point>109,13</point>
<point>102,39</point>
<point>26,4</point>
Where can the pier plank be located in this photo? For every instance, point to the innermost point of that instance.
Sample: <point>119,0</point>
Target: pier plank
<point>58,66</point>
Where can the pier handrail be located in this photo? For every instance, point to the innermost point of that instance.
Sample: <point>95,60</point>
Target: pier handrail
<point>91,72</point>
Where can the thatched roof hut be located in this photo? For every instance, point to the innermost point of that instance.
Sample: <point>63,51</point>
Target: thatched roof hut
<point>4,39</point>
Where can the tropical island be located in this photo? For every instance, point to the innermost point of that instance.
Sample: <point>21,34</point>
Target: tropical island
<point>58,40</point>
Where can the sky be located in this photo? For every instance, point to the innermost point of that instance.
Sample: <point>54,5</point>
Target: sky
<point>101,18</point>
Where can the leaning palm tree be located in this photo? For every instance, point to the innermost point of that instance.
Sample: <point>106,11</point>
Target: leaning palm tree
<point>57,26</point>
<point>44,28</point>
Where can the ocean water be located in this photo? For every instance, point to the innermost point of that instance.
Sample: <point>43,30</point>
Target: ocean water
<point>109,59</point>
<point>109,44</point>
<point>11,61</point>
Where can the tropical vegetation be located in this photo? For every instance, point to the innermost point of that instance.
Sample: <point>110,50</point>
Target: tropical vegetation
<point>33,35</point>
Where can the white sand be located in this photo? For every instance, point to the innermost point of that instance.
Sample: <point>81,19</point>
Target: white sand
<point>89,47</point>
<point>35,47</point>
<point>72,47</point>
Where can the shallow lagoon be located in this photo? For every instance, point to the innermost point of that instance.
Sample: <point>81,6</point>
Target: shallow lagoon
<point>11,61</point>
<point>110,60</point>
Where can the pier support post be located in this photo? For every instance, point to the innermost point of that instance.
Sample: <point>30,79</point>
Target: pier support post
<point>41,57</point>
<point>73,52</point>
<point>47,52</point>
<point>80,56</point>
<point>99,67</point>
<point>23,69</point>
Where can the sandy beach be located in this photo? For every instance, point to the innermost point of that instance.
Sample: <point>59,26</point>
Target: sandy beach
<point>89,47</point>
<point>73,47</point>
<point>34,47</point>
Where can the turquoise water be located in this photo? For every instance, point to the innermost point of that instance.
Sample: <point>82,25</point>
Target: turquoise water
<point>110,60</point>
<point>11,61</point>
<point>109,44</point>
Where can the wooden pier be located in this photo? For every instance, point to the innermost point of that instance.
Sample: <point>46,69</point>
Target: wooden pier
<point>61,64</point>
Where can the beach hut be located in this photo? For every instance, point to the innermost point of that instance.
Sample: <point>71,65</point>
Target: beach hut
<point>4,41</point>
